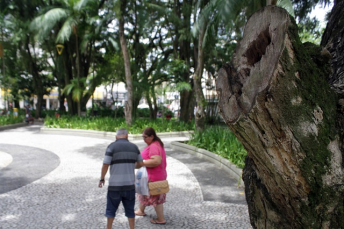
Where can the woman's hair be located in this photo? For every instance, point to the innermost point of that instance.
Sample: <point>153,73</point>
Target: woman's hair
<point>149,131</point>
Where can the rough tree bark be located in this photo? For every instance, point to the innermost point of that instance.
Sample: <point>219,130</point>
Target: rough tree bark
<point>275,97</point>
<point>197,79</point>
<point>332,40</point>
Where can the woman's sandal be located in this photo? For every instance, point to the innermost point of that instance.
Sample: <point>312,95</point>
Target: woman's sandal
<point>140,214</point>
<point>154,221</point>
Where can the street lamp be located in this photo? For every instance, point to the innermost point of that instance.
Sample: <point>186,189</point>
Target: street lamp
<point>3,64</point>
<point>59,48</point>
<point>2,56</point>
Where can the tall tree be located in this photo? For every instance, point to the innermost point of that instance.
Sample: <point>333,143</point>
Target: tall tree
<point>73,24</point>
<point>32,62</point>
<point>126,58</point>
<point>143,35</point>
<point>278,98</point>
<point>197,77</point>
<point>179,24</point>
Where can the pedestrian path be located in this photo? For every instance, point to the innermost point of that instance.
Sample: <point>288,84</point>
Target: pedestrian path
<point>52,181</point>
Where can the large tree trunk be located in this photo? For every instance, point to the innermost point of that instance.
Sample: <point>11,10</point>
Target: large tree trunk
<point>36,78</point>
<point>129,82</point>
<point>332,40</point>
<point>276,100</point>
<point>182,51</point>
<point>197,78</point>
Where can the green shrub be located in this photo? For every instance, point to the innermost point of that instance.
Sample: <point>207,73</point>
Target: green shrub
<point>51,113</point>
<point>118,112</point>
<point>113,124</point>
<point>165,111</point>
<point>105,112</point>
<point>220,140</point>
<point>9,119</point>
<point>143,113</point>
<point>45,113</point>
<point>168,112</point>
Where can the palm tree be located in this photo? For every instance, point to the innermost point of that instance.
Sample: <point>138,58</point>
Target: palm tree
<point>31,62</point>
<point>70,20</point>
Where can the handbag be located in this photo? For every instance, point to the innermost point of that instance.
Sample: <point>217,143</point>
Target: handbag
<point>158,187</point>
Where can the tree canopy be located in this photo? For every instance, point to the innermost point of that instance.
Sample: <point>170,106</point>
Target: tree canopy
<point>168,43</point>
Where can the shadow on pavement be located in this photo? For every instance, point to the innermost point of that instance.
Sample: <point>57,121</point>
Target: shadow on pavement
<point>29,164</point>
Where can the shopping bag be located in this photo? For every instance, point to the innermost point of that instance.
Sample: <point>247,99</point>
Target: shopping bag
<point>141,181</point>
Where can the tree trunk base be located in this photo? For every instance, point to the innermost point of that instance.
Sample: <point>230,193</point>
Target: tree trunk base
<point>275,98</point>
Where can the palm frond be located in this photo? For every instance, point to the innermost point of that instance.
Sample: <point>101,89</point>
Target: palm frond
<point>204,15</point>
<point>183,86</point>
<point>229,10</point>
<point>210,31</point>
<point>76,94</point>
<point>81,4</point>
<point>66,30</point>
<point>67,2</point>
<point>85,42</point>
<point>163,10</point>
<point>55,15</point>
<point>67,89</point>
<point>45,23</point>
<point>114,43</point>
<point>287,5</point>
<point>195,29</point>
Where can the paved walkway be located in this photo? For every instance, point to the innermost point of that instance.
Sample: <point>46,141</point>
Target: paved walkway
<point>50,181</point>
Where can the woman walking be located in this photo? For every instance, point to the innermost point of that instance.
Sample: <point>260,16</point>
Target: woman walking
<point>154,158</point>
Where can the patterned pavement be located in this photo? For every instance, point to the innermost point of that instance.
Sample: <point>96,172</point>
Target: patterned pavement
<point>50,181</point>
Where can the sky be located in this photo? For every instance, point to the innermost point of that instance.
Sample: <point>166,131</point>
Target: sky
<point>320,12</point>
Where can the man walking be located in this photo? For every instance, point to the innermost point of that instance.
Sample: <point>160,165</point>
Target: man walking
<point>28,117</point>
<point>121,156</point>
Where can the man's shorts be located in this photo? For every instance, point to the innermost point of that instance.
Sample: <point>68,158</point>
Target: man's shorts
<point>114,198</point>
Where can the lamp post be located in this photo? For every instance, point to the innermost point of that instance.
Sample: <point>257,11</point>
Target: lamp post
<point>3,64</point>
<point>59,48</point>
<point>3,61</point>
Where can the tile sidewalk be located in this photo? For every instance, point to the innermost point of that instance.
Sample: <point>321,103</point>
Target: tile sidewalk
<point>52,180</point>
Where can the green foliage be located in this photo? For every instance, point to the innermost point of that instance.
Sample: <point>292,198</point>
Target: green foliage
<point>112,124</point>
<point>76,87</point>
<point>168,112</point>
<point>183,86</point>
<point>9,119</point>
<point>220,140</point>
<point>48,113</point>
<point>143,113</point>
<point>287,5</point>
<point>310,31</point>
<point>103,111</point>
<point>302,8</point>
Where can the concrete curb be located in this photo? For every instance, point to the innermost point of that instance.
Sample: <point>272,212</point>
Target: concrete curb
<point>78,132</point>
<point>105,134</point>
<point>223,163</point>
<point>12,126</point>
<point>5,159</point>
